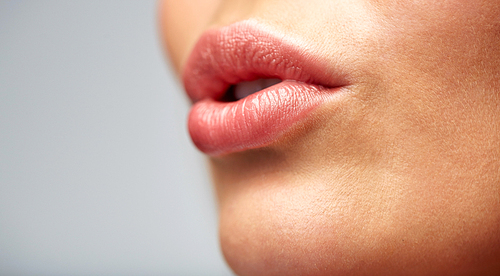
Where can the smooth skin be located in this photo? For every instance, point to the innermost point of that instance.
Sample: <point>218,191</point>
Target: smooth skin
<point>398,176</point>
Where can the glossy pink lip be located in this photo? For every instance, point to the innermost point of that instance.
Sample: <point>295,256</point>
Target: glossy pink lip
<point>247,51</point>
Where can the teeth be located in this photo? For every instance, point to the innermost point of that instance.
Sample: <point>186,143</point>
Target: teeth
<point>246,88</point>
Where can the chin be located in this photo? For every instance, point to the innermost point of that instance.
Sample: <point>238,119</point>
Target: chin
<point>281,217</point>
<point>275,229</point>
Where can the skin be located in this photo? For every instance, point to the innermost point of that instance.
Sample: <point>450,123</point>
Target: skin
<point>400,175</point>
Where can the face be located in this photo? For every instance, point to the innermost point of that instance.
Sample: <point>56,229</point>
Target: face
<point>378,153</point>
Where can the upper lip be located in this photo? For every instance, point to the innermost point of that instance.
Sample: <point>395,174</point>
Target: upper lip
<point>246,51</point>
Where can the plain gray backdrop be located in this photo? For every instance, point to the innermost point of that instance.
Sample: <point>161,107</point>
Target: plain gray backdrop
<point>97,172</point>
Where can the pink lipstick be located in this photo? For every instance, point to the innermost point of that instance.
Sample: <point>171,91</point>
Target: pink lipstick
<point>233,77</point>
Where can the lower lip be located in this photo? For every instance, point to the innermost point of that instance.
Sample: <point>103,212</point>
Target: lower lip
<point>219,128</point>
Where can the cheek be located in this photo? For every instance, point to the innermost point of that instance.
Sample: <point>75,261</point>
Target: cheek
<point>451,44</point>
<point>424,20</point>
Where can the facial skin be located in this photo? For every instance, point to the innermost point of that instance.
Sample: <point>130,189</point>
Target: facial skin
<point>398,176</point>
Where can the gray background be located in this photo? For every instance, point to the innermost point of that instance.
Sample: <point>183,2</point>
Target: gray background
<point>97,172</point>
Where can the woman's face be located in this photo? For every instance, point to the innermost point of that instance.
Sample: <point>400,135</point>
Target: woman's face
<point>378,154</point>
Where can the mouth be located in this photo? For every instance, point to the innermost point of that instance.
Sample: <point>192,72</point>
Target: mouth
<point>249,85</point>
<point>244,89</point>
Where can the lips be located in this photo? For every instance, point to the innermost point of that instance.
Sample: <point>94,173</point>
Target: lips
<point>239,57</point>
